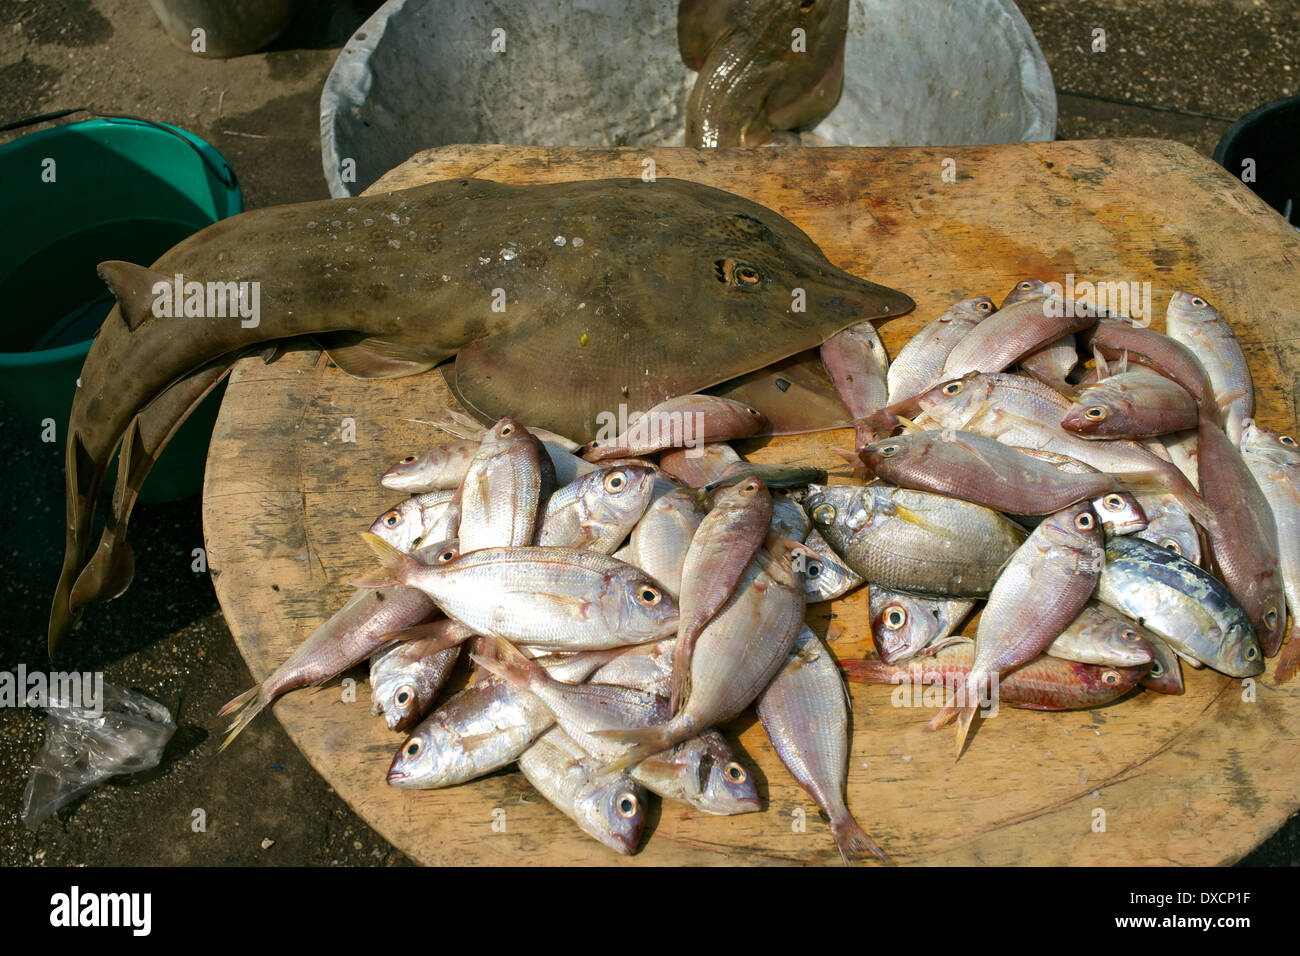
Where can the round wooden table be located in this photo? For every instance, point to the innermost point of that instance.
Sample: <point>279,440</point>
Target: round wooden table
<point>293,477</point>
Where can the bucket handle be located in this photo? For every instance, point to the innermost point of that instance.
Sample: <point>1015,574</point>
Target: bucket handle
<point>223,172</point>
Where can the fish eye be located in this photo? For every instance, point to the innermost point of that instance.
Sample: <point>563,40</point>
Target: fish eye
<point>888,451</point>
<point>1130,635</point>
<point>408,459</point>
<point>1110,677</point>
<point>895,617</point>
<point>391,519</point>
<point>750,487</point>
<point>1198,301</point>
<point>1270,618</point>
<point>984,307</point>
<point>1287,440</point>
<point>626,805</point>
<point>735,773</point>
<point>953,388</point>
<point>404,694</point>
<point>446,556</point>
<point>1113,502</point>
<point>1084,522</point>
<point>746,275</point>
<point>752,411</point>
<point>824,515</point>
<point>1169,544</point>
<point>1025,286</point>
<point>412,747</point>
<point>813,569</point>
<point>1157,668</point>
<point>615,482</point>
<point>1252,652</point>
<point>649,596</point>
<point>1095,413</point>
<point>507,431</point>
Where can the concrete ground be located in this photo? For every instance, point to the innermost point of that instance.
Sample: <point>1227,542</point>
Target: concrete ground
<point>1179,69</point>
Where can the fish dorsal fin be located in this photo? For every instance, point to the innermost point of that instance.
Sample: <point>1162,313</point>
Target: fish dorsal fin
<point>366,356</point>
<point>134,288</point>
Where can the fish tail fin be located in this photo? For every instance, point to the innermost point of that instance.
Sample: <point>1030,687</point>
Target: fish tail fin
<point>84,475</point>
<point>641,742</point>
<point>510,664</point>
<point>244,708</point>
<point>962,713</point>
<point>1289,662</point>
<point>396,565</point>
<point>108,573</point>
<point>855,843</point>
<point>965,717</point>
<point>945,716</point>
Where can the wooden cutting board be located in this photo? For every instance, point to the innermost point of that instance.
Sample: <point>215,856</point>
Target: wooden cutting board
<point>293,476</point>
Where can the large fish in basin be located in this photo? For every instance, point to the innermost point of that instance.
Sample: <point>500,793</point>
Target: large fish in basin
<point>557,301</point>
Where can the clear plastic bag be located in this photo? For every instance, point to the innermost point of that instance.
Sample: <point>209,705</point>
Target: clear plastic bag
<point>84,747</point>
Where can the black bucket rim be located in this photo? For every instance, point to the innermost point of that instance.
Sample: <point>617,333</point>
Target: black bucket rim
<point>1235,130</point>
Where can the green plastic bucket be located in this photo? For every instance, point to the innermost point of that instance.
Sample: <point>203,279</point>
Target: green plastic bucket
<point>74,196</point>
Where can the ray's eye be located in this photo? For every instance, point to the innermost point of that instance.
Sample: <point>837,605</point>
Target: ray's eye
<point>648,595</point>
<point>1095,413</point>
<point>895,617</point>
<point>615,481</point>
<point>736,773</point>
<point>391,519</point>
<point>953,388</point>
<point>824,515</point>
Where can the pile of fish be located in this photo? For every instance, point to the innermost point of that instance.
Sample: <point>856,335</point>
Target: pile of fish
<point>616,617</point>
<point>624,599</point>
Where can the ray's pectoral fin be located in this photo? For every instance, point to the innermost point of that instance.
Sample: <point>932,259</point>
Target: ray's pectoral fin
<point>369,356</point>
<point>795,394</point>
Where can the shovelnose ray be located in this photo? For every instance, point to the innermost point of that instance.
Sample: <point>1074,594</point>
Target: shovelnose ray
<point>558,301</point>
<point>757,75</point>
